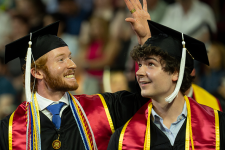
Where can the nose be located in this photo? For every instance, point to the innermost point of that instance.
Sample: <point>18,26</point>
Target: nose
<point>141,71</point>
<point>71,64</point>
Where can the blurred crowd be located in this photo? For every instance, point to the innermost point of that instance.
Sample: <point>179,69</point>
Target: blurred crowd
<point>100,41</point>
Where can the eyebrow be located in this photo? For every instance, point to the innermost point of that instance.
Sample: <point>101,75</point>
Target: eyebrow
<point>62,55</point>
<point>148,58</point>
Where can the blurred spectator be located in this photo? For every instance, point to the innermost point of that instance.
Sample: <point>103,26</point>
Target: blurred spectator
<point>5,4</point>
<point>52,5</point>
<point>71,40</point>
<point>118,81</point>
<point>5,29</point>
<point>221,22</point>
<point>100,50</point>
<point>104,9</point>
<point>87,5</point>
<point>114,79</point>
<point>33,10</point>
<point>214,4</point>
<point>191,17</point>
<point>7,92</point>
<point>20,28</point>
<point>74,14</point>
<point>122,31</point>
<point>156,9</point>
<point>213,78</point>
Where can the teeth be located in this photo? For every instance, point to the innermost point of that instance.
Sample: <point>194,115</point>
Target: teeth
<point>69,76</point>
<point>145,82</point>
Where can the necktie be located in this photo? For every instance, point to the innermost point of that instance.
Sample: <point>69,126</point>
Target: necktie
<point>55,109</point>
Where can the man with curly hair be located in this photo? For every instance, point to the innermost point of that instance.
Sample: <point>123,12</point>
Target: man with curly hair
<point>170,120</point>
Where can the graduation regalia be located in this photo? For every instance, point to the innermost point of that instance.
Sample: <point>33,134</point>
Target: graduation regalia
<point>105,112</point>
<point>207,133</point>
<point>88,121</point>
<point>205,98</point>
<point>203,127</point>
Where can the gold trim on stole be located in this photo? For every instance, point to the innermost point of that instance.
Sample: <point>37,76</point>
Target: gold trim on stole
<point>107,113</point>
<point>122,135</point>
<point>189,120</point>
<point>10,130</point>
<point>147,142</point>
<point>217,130</point>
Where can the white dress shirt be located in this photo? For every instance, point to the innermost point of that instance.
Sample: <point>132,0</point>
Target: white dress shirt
<point>44,103</point>
<point>175,127</point>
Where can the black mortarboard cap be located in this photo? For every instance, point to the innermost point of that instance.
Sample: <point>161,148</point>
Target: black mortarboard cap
<point>170,41</point>
<point>43,41</point>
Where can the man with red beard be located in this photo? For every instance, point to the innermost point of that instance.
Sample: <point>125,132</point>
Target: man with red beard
<point>52,118</point>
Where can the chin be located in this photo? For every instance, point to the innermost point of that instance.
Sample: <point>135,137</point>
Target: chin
<point>145,94</point>
<point>73,87</point>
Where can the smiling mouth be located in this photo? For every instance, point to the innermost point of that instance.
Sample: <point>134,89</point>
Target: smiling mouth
<point>144,83</point>
<point>70,76</point>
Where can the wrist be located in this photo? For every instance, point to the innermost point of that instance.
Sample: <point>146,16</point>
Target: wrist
<point>143,40</point>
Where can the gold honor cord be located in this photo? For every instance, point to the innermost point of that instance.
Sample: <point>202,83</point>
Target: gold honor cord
<point>217,130</point>
<point>147,142</point>
<point>107,112</point>
<point>35,140</point>
<point>10,130</point>
<point>37,109</point>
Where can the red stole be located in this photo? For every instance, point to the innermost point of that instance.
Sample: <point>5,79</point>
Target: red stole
<point>96,113</point>
<point>18,121</point>
<point>95,109</point>
<point>202,121</point>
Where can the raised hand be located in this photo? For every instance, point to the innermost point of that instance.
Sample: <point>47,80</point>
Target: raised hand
<point>139,19</point>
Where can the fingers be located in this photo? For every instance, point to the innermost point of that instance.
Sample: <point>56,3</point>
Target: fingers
<point>145,6</point>
<point>133,2</point>
<point>138,4</point>
<point>131,20</point>
<point>129,5</point>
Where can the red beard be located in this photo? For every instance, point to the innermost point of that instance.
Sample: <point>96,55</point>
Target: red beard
<point>56,82</point>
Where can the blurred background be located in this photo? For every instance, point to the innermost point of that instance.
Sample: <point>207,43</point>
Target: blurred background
<point>99,38</point>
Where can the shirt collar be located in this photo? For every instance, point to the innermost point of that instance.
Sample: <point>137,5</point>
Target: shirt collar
<point>190,94</point>
<point>44,102</point>
<point>183,113</point>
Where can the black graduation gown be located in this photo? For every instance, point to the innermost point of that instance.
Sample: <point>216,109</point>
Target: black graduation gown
<point>159,140</point>
<point>122,106</point>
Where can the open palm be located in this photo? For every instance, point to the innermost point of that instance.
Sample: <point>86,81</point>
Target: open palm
<point>139,18</point>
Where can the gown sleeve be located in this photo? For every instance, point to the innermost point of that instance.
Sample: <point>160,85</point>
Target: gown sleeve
<point>123,105</point>
<point>222,129</point>
<point>4,133</point>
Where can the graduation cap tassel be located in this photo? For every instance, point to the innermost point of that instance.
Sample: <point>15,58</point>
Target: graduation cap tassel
<point>170,98</point>
<point>28,72</point>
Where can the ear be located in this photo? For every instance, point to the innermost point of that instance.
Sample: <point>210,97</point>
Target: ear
<point>37,74</point>
<point>175,76</point>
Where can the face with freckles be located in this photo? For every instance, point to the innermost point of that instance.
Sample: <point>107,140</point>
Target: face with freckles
<point>60,72</point>
<point>153,80</point>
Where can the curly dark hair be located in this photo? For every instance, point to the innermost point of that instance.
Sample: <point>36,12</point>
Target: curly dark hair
<point>169,63</point>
